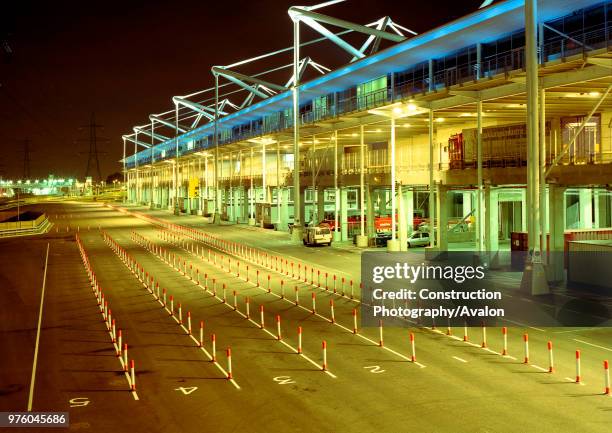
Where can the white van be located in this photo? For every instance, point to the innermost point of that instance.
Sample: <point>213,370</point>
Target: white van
<point>317,235</point>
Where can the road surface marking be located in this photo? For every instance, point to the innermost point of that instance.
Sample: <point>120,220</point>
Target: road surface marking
<point>594,345</point>
<point>375,369</point>
<point>186,390</point>
<point>459,359</point>
<point>79,401</point>
<point>524,325</point>
<point>283,380</point>
<point>40,313</point>
<point>537,367</point>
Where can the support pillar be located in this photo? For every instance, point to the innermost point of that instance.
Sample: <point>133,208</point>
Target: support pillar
<point>343,214</point>
<point>403,223</point>
<point>362,239</point>
<point>555,270</point>
<point>492,224</point>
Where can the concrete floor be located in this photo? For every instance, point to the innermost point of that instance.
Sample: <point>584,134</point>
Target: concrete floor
<point>454,387</point>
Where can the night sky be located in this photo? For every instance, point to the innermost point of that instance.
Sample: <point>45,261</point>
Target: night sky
<point>125,60</point>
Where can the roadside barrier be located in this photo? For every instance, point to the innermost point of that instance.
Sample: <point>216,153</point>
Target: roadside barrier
<point>578,378</point>
<point>324,346</point>
<point>551,365</point>
<point>526,340</point>
<point>606,366</point>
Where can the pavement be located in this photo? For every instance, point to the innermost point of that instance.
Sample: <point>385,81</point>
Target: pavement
<point>454,386</point>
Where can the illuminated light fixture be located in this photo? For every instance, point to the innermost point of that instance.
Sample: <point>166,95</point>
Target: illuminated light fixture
<point>397,110</point>
<point>515,105</point>
<point>406,125</point>
<point>378,130</point>
<point>440,119</point>
<point>412,107</point>
<point>354,134</point>
<point>594,94</point>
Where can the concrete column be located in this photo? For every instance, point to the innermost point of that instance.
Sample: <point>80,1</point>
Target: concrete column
<point>393,243</point>
<point>237,208</point>
<point>337,235</point>
<point>251,193</point>
<point>362,239</point>
<point>284,209</point>
<point>492,219</point>
<point>524,210</point>
<point>344,214</point>
<point>320,204</point>
<point>403,223</point>
<point>408,203</point>
<point>442,216</point>
<point>188,176</point>
<point>585,199</point>
<point>555,271</point>
<point>369,210</point>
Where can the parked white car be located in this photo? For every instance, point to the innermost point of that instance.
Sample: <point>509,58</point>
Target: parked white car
<point>317,235</point>
<point>418,239</point>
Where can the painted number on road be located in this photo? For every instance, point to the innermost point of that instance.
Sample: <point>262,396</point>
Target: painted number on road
<point>79,402</point>
<point>374,369</point>
<point>188,390</point>
<point>283,380</point>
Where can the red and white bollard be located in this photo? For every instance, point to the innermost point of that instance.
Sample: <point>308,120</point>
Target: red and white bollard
<point>551,365</point>
<point>180,314</point>
<point>297,296</point>
<point>228,352</point>
<point>269,290</point>
<point>577,366</point>
<point>247,303</point>
<point>113,331</point>
<point>235,301</point>
<point>224,294</point>
<point>606,366</point>
<point>125,357</point>
<point>484,336</point>
<point>505,336</point>
<point>465,331</point>
<point>413,358</point>
<point>278,328</point>
<point>188,322</point>
<point>324,345</point>
<point>261,315</point>
<point>119,342</point>
<point>299,347</point>
<point>526,340</point>
<point>213,340</point>
<point>257,280</point>
<point>314,303</point>
<point>354,320</point>
<point>380,331</point>
<point>331,308</point>
<point>201,342</point>
<point>133,375</point>
<point>282,284</point>
<point>171,305</point>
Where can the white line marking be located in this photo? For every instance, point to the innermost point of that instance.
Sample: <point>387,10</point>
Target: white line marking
<point>537,367</point>
<point>459,359</point>
<point>594,345</point>
<point>40,313</point>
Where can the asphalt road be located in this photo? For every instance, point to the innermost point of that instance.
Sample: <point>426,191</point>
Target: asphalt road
<point>454,386</point>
